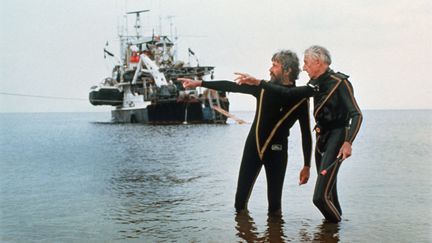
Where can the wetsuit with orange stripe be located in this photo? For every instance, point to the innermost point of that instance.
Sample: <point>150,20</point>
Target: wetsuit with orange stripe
<point>338,119</point>
<point>267,141</point>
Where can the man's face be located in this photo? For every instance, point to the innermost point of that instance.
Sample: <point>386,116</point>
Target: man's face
<point>276,72</point>
<point>311,66</point>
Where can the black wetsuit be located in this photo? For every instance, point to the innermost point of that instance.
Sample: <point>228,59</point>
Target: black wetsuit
<point>338,119</point>
<point>267,141</point>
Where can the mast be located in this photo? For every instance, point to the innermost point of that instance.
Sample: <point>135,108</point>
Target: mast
<point>137,25</point>
<point>173,38</point>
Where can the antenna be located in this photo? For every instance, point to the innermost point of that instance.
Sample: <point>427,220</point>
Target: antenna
<point>137,21</point>
<point>170,19</point>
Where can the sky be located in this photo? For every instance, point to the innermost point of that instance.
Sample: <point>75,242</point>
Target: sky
<point>55,48</point>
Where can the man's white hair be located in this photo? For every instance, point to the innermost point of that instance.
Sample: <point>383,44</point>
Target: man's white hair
<point>319,52</point>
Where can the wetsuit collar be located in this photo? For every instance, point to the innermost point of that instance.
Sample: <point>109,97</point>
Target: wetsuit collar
<point>322,77</point>
<point>285,85</point>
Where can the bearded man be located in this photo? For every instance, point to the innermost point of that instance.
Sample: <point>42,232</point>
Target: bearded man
<point>267,142</point>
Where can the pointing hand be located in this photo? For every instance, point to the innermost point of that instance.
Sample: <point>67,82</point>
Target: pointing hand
<point>244,78</point>
<point>189,83</point>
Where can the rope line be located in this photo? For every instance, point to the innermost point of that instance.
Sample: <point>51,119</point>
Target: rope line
<point>42,96</point>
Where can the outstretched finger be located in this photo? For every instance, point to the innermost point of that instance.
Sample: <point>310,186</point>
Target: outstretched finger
<point>240,74</point>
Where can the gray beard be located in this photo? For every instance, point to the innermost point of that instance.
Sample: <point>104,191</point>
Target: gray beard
<point>276,80</point>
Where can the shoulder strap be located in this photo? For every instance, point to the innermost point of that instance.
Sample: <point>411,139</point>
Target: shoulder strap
<point>341,75</point>
<point>339,81</point>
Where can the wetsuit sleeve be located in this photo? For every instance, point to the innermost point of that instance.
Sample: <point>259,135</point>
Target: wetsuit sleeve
<point>229,86</point>
<point>354,113</point>
<point>290,92</point>
<point>306,134</point>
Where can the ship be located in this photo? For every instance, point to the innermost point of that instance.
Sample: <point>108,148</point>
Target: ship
<point>143,85</point>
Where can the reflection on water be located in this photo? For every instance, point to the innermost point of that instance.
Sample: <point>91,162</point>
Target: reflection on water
<point>247,230</point>
<point>275,230</point>
<point>145,199</point>
<point>327,232</point>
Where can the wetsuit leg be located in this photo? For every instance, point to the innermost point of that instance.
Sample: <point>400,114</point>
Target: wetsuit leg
<point>325,194</point>
<point>334,198</point>
<point>275,168</point>
<point>249,170</point>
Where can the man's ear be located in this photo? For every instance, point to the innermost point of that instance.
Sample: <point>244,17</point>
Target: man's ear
<point>287,73</point>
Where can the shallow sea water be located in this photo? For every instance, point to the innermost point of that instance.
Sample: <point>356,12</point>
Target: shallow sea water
<point>76,177</point>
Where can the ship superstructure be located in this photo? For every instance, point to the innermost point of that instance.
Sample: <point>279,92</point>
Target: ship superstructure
<point>143,85</point>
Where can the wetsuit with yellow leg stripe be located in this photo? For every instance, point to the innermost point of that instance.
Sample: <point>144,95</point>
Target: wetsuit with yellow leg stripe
<point>338,119</point>
<point>267,142</point>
